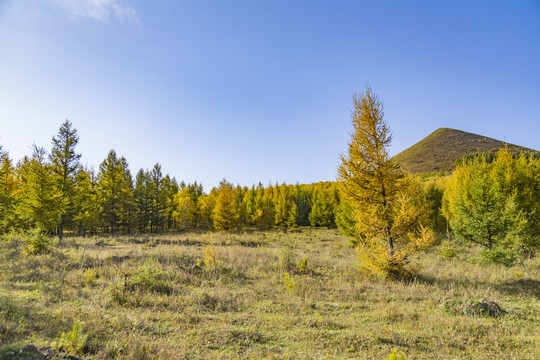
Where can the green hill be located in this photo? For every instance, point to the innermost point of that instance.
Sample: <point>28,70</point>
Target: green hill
<point>440,150</point>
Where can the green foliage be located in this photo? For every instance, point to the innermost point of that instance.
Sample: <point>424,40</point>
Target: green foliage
<point>496,203</point>
<point>345,221</point>
<point>150,277</point>
<point>86,206</point>
<point>8,187</point>
<point>287,257</point>
<point>40,202</point>
<point>450,249</point>
<point>115,190</point>
<point>323,202</point>
<point>501,255</point>
<point>34,240</point>
<point>64,165</point>
<point>433,196</point>
<point>73,341</point>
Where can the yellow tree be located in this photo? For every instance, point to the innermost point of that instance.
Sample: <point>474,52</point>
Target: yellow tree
<point>225,214</point>
<point>185,211</point>
<point>387,204</point>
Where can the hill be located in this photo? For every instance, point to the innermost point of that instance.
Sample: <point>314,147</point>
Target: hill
<point>440,150</point>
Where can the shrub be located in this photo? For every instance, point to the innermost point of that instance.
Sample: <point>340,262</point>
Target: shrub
<point>395,356</point>
<point>74,341</point>
<point>500,255</point>
<point>450,249</point>
<point>34,240</point>
<point>287,257</point>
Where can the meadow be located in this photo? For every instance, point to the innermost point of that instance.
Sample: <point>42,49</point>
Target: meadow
<point>260,295</point>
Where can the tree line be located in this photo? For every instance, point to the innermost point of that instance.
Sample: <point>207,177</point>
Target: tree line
<point>56,194</point>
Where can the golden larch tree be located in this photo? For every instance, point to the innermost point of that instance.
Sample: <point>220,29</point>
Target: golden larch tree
<point>387,204</point>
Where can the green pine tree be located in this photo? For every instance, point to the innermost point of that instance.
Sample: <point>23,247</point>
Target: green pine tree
<point>65,164</point>
<point>40,201</point>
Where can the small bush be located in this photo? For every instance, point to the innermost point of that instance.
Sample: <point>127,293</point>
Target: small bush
<point>289,283</point>
<point>89,277</point>
<point>500,255</point>
<point>302,267</point>
<point>74,341</point>
<point>34,240</point>
<point>450,249</point>
<point>209,259</point>
<point>151,278</point>
<point>287,257</point>
<point>395,356</point>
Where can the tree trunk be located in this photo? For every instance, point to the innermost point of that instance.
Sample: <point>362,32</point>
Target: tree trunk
<point>390,242</point>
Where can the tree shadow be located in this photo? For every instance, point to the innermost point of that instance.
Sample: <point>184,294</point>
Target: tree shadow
<point>528,287</point>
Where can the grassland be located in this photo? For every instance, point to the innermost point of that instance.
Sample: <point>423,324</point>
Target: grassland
<point>271,295</point>
<point>440,150</point>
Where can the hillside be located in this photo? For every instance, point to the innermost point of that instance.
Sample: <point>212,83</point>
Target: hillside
<point>440,150</point>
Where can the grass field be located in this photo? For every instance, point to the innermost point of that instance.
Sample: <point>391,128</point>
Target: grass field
<point>261,295</point>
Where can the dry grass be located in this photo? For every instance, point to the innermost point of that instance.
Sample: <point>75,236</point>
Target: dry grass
<point>150,297</point>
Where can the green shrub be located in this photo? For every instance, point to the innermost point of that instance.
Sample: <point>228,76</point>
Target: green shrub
<point>501,255</point>
<point>34,240</point>
<point>287,257</point>
<point>74,341</point>
<point>151,278</point>
<point>450,249</point>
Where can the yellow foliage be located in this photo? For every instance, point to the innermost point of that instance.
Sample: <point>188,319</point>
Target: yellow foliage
<point>209,259</point>
<point>388,206</point>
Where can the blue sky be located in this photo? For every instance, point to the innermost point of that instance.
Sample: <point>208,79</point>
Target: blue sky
<point>261,90</point>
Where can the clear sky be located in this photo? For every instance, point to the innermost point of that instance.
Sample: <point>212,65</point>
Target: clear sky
<point>261,90</point>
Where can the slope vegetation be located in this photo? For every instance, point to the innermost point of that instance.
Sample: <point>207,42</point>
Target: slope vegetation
<point>440,150</point>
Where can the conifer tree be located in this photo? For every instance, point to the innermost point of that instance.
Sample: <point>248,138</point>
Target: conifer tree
<point>301,199</point>
<point>65,163</point>
<point>323,203</point>
<point>264,215</point>
<point>388,208</point>
<point>85,200</point>
<point>40,201</point>
<point>205,210</point>
<point>8,187</point>
<point>250,206</point>
<point>495,203</point>
<point>159,199</point>
<point>185,210</point>
<point>225,213</point>
<point>142,197</point>
<point>292,217</point>
<point>282,206</point>
<point>171,188</point>
<point>114,190</point>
